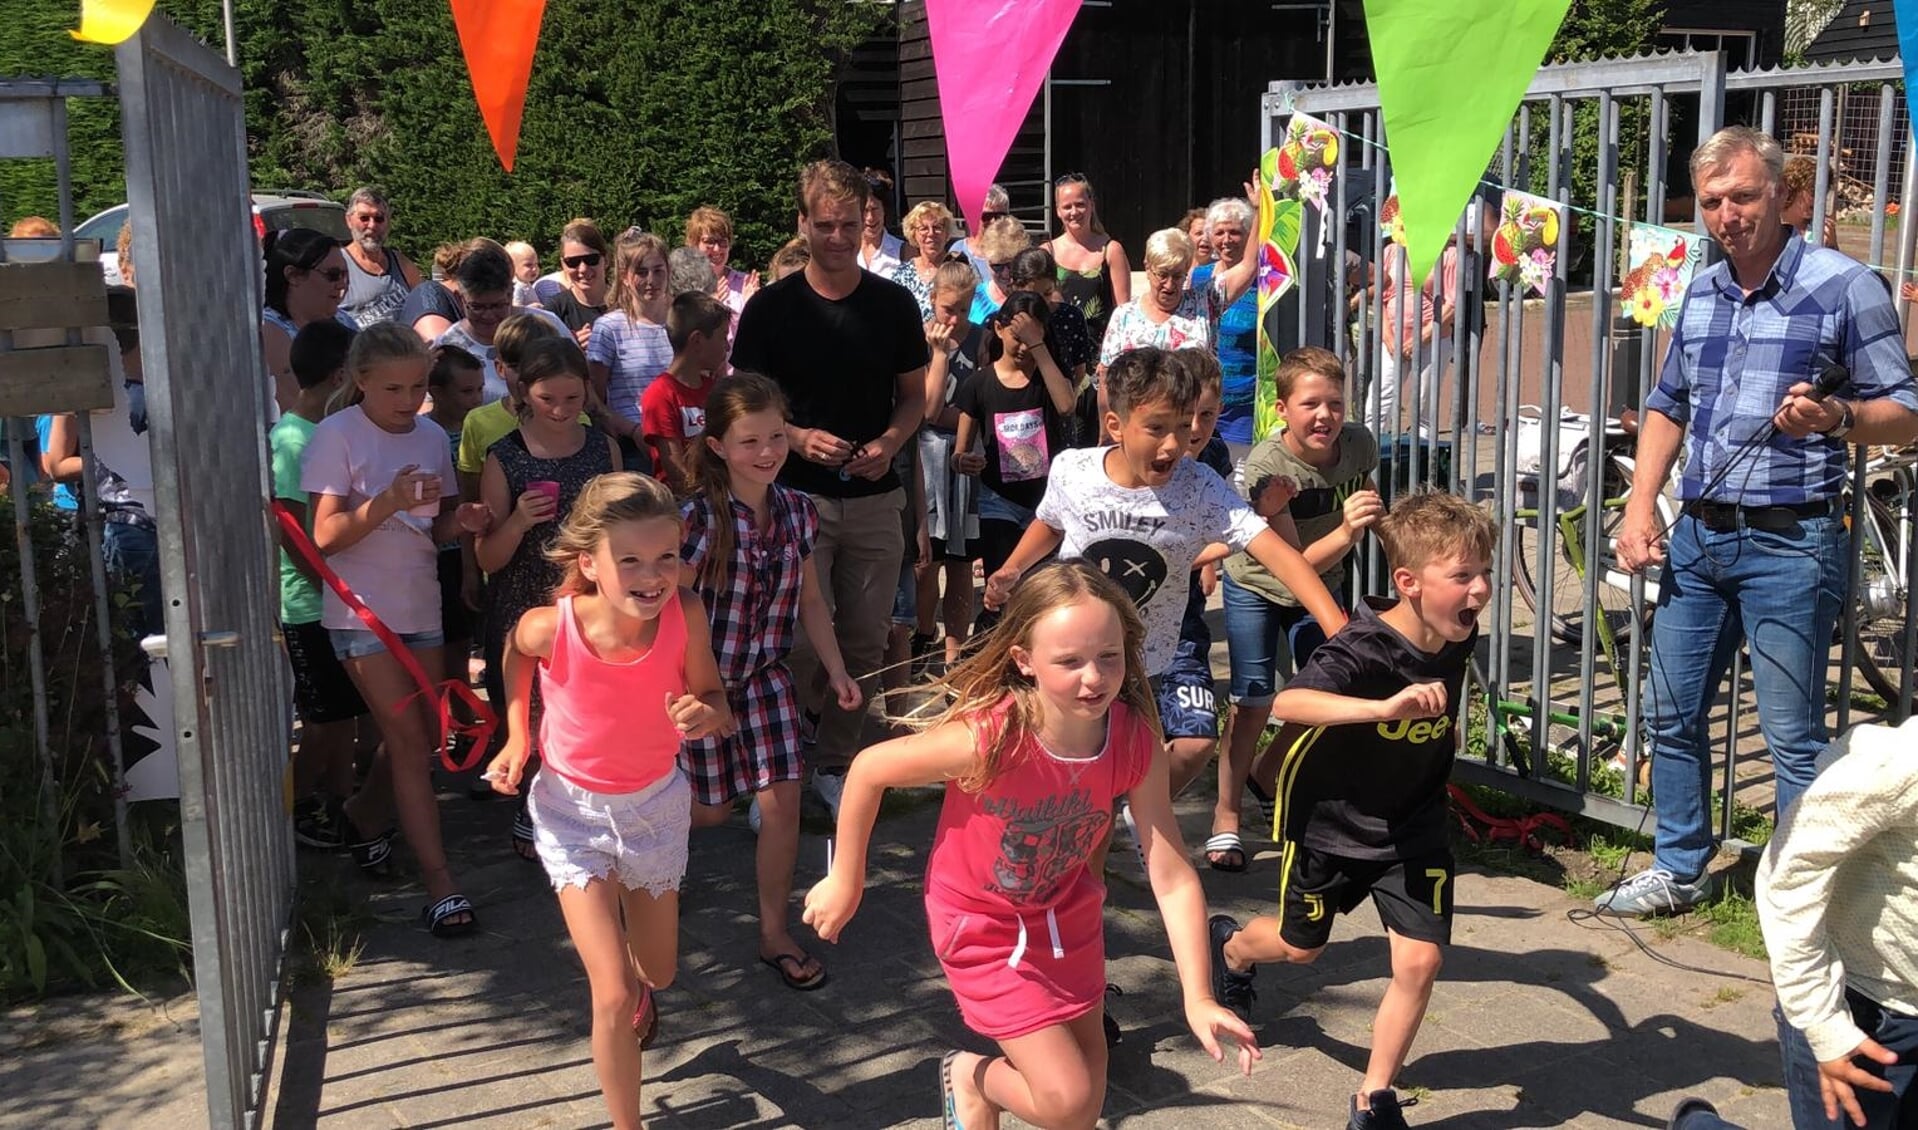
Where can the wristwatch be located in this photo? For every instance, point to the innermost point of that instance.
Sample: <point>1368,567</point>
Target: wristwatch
<point>1845,422</point>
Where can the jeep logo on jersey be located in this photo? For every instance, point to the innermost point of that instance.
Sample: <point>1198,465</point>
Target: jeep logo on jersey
<point>1419,732</point>
<point>1139,568</point>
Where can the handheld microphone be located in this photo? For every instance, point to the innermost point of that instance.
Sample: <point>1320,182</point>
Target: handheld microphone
<point>1829,381</point>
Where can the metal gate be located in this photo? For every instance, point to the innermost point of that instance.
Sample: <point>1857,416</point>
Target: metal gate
<point>199,304</point>
<point>1556,704</point>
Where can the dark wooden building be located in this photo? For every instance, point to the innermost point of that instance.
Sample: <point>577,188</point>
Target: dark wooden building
<point>1862,29</point>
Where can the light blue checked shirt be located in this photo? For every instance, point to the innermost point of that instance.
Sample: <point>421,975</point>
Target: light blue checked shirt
<point>1733,357</point>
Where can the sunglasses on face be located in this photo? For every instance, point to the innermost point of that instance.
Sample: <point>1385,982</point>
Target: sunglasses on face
<point>330,274</point>
<point>988,217</point>
<point>1002,268</point>
<point>590,259</point>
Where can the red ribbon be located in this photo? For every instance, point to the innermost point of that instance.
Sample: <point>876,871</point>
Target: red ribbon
<point>1523,831</point>
<point>442,692</point>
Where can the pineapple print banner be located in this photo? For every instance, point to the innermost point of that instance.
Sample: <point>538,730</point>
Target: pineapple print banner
<point>1450,76</point>
<point>1658,267</point>
<point>1526,243</point>
<point>1278,242</point>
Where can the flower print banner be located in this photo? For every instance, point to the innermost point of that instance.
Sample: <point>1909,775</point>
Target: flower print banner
<point>1305,163</point>
<point>1277,243</point>
<point>1659,263</point>
<point>1526,243</point>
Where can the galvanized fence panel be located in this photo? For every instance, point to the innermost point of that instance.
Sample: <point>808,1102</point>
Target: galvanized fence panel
<point>1599,139</point>
<point>199,305</point>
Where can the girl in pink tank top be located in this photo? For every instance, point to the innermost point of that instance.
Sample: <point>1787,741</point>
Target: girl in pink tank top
<point>1052,720</point>
<point>626,670</point>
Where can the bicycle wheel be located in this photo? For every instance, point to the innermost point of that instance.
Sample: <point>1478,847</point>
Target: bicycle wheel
<point>1569,614</point>
<point>1883,586</point>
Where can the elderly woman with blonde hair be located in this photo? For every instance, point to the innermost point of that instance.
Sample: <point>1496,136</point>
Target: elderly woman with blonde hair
<point>928,228</point>
<point>1171,314</point>
<point>1003,239</point>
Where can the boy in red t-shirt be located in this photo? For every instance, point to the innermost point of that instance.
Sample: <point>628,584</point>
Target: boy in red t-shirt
<point>672,410</point>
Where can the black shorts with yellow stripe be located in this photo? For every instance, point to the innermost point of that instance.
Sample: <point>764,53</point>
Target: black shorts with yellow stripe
<point>1413,896</point>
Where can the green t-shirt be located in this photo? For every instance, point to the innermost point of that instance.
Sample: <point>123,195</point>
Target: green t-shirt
<point>484,427</point>
<point>299,596</point>
<point>1316,511</point>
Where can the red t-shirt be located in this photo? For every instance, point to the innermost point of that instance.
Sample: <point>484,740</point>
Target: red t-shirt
<point>670,410</point>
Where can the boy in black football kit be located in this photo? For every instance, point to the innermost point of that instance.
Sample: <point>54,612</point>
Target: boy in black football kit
<point>1360,768</point>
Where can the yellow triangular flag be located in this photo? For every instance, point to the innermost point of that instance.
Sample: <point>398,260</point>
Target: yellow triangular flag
<point>111,21</point>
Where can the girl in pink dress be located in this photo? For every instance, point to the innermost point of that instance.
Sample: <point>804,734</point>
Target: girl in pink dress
<point>626,671</point>
<point>1052,720</point>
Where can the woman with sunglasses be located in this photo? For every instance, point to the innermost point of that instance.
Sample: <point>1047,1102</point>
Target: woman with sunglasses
<point>583,256</point>
<point>929,226</point>
<point>1004,238</point>
<point>305,281</point>
<point>1094,274</point>
<point>997,204</point>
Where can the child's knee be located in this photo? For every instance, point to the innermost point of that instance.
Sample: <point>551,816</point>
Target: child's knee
<point>614,1004</point>
<point>1416,962</point>
<point>1066,1102</point>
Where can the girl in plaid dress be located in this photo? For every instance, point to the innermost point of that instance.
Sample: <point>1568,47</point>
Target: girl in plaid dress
<point>748,551</point>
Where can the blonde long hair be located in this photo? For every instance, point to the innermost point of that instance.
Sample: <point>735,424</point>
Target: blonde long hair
<point>705,470</point>
<point>988,675</point>
<point>619,496</point>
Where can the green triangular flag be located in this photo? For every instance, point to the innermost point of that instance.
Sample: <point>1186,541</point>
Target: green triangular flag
<point>1450,77</point>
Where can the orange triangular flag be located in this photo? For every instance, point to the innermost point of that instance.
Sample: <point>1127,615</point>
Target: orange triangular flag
<point>499,38</point>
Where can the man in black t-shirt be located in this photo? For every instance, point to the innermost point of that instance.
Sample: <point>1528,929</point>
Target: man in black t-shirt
<point>847,348</point>
<point>1360,769</point>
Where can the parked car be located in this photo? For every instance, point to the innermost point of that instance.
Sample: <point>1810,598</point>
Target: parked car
<point>274,209</point>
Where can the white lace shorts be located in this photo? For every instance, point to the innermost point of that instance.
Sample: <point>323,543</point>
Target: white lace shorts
<point>638,839</point>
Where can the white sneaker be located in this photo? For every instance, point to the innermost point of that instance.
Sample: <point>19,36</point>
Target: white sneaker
<point>829,786</point>
<point>752,816</point>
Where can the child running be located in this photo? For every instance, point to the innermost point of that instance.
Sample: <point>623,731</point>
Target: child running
<point>532,475</point>
<point>748,552</point>
<point>626,669</point>
<point>1365,812</point>
<point>380,482</point>
<point>1330,459</point>
<point>1052,720</point>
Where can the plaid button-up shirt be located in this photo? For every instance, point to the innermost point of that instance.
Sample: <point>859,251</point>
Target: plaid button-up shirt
<point>1734,356</point>
<point>756,612</point>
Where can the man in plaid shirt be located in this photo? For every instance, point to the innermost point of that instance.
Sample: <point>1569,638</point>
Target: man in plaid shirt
<point>1760,547</point>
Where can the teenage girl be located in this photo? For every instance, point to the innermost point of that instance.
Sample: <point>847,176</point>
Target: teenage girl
<point>550,446</point>
<point>378,479</point>
<point>626,668</point>
<point>952,521</point>
<point>1052,720</point>
<point>1331,460</point>
<point>748,553</point>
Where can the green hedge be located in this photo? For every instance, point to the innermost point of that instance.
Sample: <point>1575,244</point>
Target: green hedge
<point>638,111</point>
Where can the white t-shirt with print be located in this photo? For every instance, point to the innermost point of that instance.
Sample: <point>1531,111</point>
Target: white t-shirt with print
<point>1145,538</point>
<point>395,568</point>
<point>1189,327</point>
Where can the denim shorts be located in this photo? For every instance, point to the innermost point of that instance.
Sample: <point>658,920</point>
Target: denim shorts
<point>358,643</point>
<point>1262,638</point>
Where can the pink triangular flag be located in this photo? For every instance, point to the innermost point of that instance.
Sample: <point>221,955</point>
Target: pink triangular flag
<point>989,65</point>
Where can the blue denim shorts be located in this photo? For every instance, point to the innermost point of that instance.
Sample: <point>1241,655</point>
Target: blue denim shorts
<point>1264,638</point>
<point>357,643</point>
<point>1188,701</point>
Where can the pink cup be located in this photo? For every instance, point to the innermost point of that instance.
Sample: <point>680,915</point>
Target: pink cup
<point>549,488</point>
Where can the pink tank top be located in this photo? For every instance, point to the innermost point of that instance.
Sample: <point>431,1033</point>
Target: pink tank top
<point>605,727</point>
<point>1022,844</point>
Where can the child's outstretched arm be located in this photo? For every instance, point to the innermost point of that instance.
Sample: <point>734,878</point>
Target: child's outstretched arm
<point>1295,573</point>
<point>530,641</point>
<point>1182,906</point>
<point>940,754</point>
<point>816,619</point>
<point>702,711</point>
<point>1309,707</point>
<point>1039,540</point>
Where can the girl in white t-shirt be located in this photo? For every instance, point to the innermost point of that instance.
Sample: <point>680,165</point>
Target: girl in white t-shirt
<point>383,501</point>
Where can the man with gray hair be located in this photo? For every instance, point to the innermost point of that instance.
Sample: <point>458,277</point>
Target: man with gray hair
<point>689,271</point>
<point>1759,548</point>
<point>378,278</point>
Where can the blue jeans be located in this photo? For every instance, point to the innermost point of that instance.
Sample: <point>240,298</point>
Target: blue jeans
<point>1780,591</point>
<point>1883,1111</point>
<point>132,555</point>
<point>1261,634</point>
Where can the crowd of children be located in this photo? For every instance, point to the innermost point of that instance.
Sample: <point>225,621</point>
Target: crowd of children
<point>636,630</point>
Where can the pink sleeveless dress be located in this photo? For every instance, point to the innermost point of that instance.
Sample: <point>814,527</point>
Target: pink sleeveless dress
<point>1017,919</point>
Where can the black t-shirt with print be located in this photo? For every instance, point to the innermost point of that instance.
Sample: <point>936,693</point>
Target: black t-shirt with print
<point>838,361</point>
<point>1371,790</point>
<point>1018,429</point>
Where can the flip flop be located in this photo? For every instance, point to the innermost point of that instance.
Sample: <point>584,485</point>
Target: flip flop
<point>948,1104</point>
<point>646,1018</point>
<point>436,917</point>
<point>790,976</point>
<point>1225,845</point>
<point>523,832</point>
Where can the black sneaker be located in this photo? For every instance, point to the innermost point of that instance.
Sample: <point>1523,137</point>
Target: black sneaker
<point>922,652</point>
<point>319,822</point>
<point>1384,1115</point>
<point>1233,990</point>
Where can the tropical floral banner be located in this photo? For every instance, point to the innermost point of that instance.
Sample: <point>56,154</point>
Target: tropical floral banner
<point>1278,242</point>
<point>1659,263</point>
<point>1306,162</point>
<point>1525,245</point>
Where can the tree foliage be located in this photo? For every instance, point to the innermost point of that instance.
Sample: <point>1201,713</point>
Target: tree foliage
<point>638,110</point>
